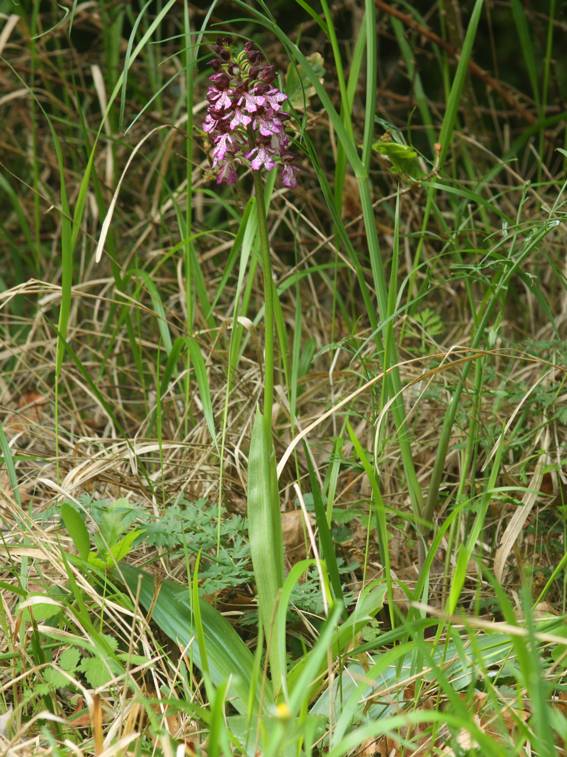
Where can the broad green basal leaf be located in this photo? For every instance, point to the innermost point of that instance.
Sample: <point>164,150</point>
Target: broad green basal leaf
<point>170,605</point>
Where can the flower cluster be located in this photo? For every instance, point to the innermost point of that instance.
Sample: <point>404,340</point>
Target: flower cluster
<point>245,120</point>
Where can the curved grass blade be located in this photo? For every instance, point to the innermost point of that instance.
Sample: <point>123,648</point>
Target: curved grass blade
<point>157,305</point>
<point>279,633</point>
<point>203,385</point>
<point>9,463</point>
<point>454,99</point>
<point>196,358</point>
<point>325,535</point>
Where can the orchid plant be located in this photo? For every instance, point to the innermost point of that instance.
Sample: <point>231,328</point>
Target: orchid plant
<point>247,127</point>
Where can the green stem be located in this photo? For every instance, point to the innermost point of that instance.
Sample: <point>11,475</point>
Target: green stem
<point>187,231</point>
<point>268,302</point>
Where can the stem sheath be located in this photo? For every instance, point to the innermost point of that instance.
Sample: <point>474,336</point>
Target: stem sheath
<point>268,302</point>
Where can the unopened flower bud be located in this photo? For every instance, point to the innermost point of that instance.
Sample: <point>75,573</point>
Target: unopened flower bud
<point>252,52</point>
<point>220,80</point>
<point>267,74</point>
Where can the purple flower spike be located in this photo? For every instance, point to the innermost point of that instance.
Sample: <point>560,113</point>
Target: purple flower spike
<point>254,55</point>
<point>220,80</point>
<point>245,119</point>
<point>222,101</point>
<point>267,74</point>
<point>275,98</point>
<point>210,123</point>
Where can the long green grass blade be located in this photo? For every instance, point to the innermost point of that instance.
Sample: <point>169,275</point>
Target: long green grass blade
<point>527,46</point>
<point>454,99</point>
<point>8,461</point>
<point>325,535</point>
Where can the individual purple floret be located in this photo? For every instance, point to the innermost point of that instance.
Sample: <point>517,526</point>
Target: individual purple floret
<point>245,120</point>
<point>261,156</point>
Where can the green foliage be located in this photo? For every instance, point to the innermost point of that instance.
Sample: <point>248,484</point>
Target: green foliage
<point>264,528</point>
<point>415,286</point>
<point>297,89</point>
<point>68,661</point>
<point>187,528</point>
<point>430,322</point>
<point>228,657</point>
<point>402,158</point>
<point>191,527</point>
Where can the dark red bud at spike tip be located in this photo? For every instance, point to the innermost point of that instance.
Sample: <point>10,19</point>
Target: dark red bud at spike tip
<point>222,42</point>
<point>220,80</point>
<point>267,74</point>
<point>252,52</point>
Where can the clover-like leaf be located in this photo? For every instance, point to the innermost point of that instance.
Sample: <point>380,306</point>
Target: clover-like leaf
<point>403,158</point>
